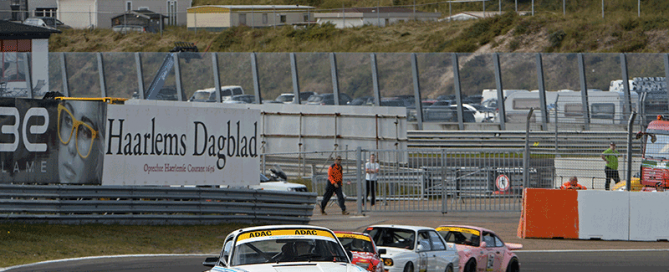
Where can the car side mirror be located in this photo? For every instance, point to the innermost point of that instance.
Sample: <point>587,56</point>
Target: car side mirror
<point>210,261</point>
<point>484,244</point>
<point>382,251</point>
<point>420,247</point>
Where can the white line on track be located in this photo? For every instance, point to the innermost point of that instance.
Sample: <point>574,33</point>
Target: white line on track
<point>103,257</point>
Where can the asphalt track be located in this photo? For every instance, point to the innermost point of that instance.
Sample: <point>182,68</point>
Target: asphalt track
<point>537,254</point>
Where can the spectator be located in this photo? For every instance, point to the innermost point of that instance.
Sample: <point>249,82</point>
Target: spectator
<point>371,170</point>
<point>572,184</point>
<point>610,156</point>
<point>335,178</point>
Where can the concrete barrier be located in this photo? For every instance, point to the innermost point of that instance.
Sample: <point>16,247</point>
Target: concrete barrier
<point>603,215</point>
<point>649,216</point>
<point>549,213</point>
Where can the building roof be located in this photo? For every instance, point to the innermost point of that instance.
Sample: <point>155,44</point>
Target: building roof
<point>372,12</point>
<point>146,14</point>
<point>12,30</point>
<point>227,8</point>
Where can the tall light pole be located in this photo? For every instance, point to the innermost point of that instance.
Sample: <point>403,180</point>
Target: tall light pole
<point>378,17</point>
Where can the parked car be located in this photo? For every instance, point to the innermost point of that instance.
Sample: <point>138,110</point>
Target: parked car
<point>278,181</point>
<point>438,113</point>
<point>363,101</point>
<point>412,248</point>
<point>209,94</point>
<point>328,99</point>
<point>365,254</point>
<point>282,248</point>
<point>48,22</point>
<point>304,96</point>
<point>285,98</point>
<point>241,99</point>
<point>481,249</point>
<point>125,29</point>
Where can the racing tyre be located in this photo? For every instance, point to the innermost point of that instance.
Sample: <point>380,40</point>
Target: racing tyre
<point>470,266</point>
<point>513,266</point>
<point>408,267</point>
<point>449,268</point>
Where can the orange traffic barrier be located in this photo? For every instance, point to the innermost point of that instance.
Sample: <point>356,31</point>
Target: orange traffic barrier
<point>549,213</point>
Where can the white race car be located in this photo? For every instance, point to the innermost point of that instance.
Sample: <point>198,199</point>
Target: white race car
<point>284,248</point>
<point>412,248</point>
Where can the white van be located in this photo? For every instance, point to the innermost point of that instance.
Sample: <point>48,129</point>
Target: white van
<point>209,95</point>
<point>605,107</point>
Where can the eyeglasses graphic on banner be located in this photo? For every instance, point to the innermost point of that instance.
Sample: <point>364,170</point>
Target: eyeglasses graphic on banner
<point>85,134</point>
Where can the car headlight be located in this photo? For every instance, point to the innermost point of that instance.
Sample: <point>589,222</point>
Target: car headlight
<point>388,262</point>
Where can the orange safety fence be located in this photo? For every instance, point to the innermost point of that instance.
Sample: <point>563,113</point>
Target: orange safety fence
<point>549,213</point>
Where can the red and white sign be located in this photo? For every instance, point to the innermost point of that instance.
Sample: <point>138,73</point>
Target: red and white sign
<point>503,183</point>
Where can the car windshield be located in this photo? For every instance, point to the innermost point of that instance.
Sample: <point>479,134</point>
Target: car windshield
<point>200,96</point>
<point>275,249</point>
<point>285,98</point>
<point>660,148</point>
<point>460,236</point>
<point>391,237</point>
<point>357,244</point>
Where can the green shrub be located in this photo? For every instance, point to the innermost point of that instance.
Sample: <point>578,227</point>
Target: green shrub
<point>514,44</point>
<point>556,38</point>
<point>629,24</point>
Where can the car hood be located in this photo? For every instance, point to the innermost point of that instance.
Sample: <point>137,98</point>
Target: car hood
<point>294,267</point>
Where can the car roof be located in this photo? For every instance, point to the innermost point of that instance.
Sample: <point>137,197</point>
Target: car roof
<point>351,232</point>
<point>271,227</point>
<point>469,227</point>
<point>414,228</point>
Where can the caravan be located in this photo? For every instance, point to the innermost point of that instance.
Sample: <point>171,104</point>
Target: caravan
<point>605,107</point>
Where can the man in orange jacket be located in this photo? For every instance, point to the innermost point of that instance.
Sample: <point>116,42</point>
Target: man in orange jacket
<point>572,184</point>
<point>335,178</point>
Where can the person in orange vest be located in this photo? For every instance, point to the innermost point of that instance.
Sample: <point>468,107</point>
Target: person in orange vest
<point>335,178</point>
<point>572,184</point>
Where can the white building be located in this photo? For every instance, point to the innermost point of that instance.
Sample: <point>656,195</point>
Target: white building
<point>98,13</point>
<point>217,18</point>
<point>382,16</point>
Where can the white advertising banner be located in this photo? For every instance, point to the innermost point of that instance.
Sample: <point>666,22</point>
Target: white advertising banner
<point>170,144</point>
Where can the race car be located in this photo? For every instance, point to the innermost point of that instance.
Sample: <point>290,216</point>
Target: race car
<point>489,254</point>
<point>414,248</point>
<point>363,249</point>
<point>283,248</point>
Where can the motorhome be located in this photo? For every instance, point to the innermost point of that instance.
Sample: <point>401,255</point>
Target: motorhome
<point>492,93</point>
<point>605,107</point>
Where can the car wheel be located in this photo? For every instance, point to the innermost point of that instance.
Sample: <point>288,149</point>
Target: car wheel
<point>513,266</point>
<point>470,266</point>
<point>408,267</point>
<point>449,268</point>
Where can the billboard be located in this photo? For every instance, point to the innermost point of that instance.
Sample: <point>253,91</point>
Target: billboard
<point>181,145</point>
<point>50,141</point>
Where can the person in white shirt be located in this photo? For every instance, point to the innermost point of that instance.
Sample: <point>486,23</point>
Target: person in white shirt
<point>372,170</point>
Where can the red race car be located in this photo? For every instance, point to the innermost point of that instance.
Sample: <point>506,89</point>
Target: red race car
<point>365,253</point>
<point>481,249</point>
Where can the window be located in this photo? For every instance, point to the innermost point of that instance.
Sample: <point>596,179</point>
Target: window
<point>283,18</point>
<point>573,110</point>
<point>526,103</point>
<point>489,239</point>
<point>128,6</point>
<point>424,240</point>
<point>264,18</point>
<point>242,19</point>
<point>306,17</point>
<point>45,12</point>
<point>437,243</point>
<point>498,242</point>
<point>602,110</point>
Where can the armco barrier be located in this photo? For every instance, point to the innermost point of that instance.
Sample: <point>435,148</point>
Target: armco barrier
<point>136,205</point>
<point>602,215</point>
<point>649,216</point>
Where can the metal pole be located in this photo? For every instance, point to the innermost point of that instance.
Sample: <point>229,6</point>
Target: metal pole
<point>28,75</point>
<point>375,81</point>
<point>500,7</point>
<point>177,77</point>
<point>414,10</point>
<point>296,83</point>
<point>602,9</point>
<point>526,156</point>
<point>274,10</point>
<point>63,69</point>
<point>638,8</point>
<point>140,76</point>
<point>630,128</point>
<point>532,7</point>
<point>343,11</point>
<point>564,7</point>
<point>358,173</point>
<point>217,77</point>
<point>449,11</point>
<point>256,78</point>
<point>416,91</point>
<point>501,112</point>
<point>516,6</point>
<point>666,75</point>
<point>101,73</point>
<point>458,91</point>
<point>584,92</point>
<point>378,17</point>
<point>335,78</point>
<point>623,67</point>
<point>542,93</point>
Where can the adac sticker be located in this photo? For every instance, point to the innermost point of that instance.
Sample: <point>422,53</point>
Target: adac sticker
<point>284,232</point>
<point>353,236</point>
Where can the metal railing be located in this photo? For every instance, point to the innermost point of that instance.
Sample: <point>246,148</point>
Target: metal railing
<point>65,204</point>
